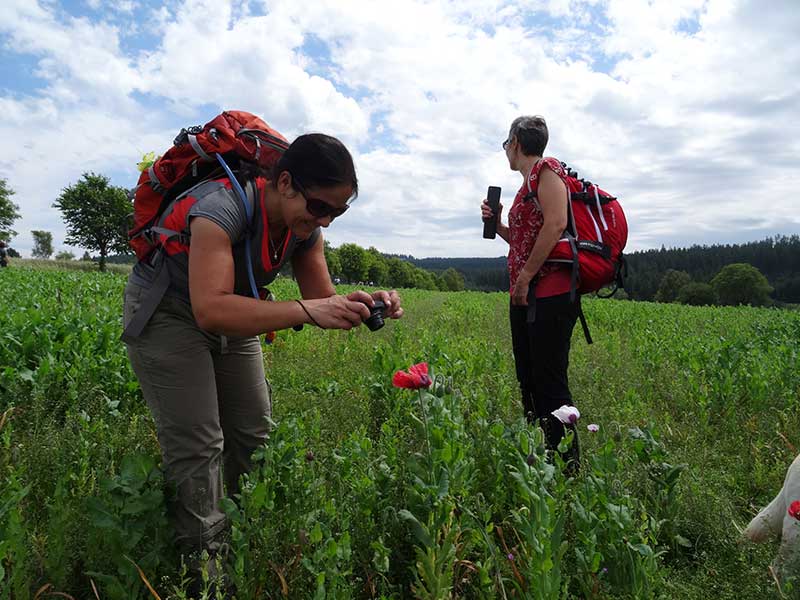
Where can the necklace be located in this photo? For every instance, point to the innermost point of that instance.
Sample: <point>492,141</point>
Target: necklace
<point>275,250</point>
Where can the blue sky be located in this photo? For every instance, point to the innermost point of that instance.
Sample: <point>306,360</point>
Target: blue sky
<point>660,102</point>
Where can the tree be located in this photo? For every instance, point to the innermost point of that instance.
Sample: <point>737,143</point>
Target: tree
<point>697,294</point>
<point>671,284</point>
<point>96,213</point>
<point>354,262</point>
<point>42,244</point>
<point>65,255</point>
<point>377,268</point>
<point>332,258</point>
<point>400,273</point>
<point>86,257</point>
<point>9,212</point>
<point>423,280</point>
<point>453,280</point>
<point>741,283</point>
<point>786,288</point>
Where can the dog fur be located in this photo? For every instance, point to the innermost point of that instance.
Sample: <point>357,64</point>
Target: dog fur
<point>774,519</point>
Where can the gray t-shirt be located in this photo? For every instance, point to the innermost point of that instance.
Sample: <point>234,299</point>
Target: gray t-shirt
<point>214,201</point>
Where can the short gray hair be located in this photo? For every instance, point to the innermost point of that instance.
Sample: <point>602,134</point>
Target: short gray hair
<point>531,133</point>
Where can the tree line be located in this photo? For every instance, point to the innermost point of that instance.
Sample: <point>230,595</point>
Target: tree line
<point>96,215</point>
<point>776,258</point>
<point>481,274</point>
<point>354,264</point>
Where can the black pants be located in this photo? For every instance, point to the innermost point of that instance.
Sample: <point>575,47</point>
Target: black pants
<point>541,353</point>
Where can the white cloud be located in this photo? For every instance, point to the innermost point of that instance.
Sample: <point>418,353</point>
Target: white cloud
<point>684,109</point>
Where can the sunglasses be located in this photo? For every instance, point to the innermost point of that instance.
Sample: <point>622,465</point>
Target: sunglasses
<point>506,143</point>
<point>316,207</point>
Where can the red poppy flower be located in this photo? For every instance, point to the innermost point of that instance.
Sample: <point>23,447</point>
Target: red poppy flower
<point>794,509</point>
<point>415,378</point>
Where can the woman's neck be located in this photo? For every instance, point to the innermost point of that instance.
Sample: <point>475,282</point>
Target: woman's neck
<point>526,163</point>
<point>272,203</point>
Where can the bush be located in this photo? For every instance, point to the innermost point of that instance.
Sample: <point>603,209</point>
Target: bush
<point>740,283</point>
<point>671,284</point>
<point>697,294</point>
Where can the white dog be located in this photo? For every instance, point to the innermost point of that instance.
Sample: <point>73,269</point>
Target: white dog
<point>775,519</point>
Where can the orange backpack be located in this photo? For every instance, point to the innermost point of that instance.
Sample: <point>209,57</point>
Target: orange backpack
<point>234,136</point>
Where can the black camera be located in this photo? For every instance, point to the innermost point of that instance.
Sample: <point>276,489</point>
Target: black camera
<point>375,320</point>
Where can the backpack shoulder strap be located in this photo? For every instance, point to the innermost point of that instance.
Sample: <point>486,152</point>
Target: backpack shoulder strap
<point>150,301</point>
<point>249,211</point>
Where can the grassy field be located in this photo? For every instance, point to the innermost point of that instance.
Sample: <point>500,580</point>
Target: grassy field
<point>67,265</point>
<point>367,491</point>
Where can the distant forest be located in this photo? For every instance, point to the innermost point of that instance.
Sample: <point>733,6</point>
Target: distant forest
<point>777,258</point>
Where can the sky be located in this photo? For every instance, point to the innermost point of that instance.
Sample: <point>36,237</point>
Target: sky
<point>687,110</point>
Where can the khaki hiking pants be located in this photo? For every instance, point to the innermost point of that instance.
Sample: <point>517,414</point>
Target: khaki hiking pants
<point>210,400</point>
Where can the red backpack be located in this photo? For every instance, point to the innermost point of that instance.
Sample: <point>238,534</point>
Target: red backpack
<point>595,236</point>
<point>594,239</point>
<point>234,136</point>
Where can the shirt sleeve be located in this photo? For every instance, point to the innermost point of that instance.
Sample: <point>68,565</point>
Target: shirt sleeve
<point>555,166</point>
<point>220,205</point>
<point>304,246</point>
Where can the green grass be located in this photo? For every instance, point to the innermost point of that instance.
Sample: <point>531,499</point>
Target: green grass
<point>718,387</point>
<point>66,265</point>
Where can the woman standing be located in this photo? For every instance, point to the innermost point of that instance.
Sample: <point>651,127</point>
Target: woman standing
<point>542,315</point>
<point>198,358</point>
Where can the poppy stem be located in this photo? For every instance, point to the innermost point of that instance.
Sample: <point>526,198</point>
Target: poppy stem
<point>427,435</point>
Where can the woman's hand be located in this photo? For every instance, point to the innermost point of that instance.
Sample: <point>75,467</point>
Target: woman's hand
<point>519,294</point>
<point>487,214</point>
<point>390,298</point>
<point>337,312</point>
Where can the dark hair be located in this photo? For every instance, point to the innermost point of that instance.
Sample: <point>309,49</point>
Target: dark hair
<point>318,160</point>
<point>531,133</point>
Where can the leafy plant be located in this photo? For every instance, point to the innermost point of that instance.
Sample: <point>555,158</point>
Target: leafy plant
<point>129,526</point>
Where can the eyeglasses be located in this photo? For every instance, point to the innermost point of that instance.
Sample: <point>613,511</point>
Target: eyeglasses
<point>316,207</point>
<point>506,143</point>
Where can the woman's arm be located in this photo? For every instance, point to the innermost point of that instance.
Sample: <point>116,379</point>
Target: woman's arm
<point>311,272</point>
<point>552,194</point>
<point>217,309</point>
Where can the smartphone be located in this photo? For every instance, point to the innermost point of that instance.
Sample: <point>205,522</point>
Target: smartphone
<point>490,225</point>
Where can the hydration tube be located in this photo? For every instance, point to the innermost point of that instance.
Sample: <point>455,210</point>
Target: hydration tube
<point>240,192</point>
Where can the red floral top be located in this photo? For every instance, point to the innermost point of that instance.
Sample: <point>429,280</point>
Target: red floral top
<point>525,221</point>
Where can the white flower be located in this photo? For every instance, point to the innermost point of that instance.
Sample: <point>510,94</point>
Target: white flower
<point>567,414</point>
<point>593,427</point>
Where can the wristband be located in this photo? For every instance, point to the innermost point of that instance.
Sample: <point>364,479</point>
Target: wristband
<point>303,306</point>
